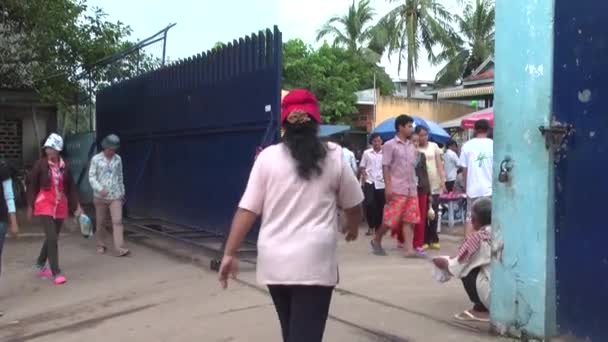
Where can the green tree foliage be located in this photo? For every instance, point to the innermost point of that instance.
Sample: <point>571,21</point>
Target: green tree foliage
<point>475,44</point>
<point>413,27</point>
<point>51,45</point>
<point>56,41</point>
<point>334,74</point>
<point>351,30</point>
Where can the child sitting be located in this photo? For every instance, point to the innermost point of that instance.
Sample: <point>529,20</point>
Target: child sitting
<point>472,264</point>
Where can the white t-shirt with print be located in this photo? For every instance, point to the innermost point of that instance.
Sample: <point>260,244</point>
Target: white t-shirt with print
<point>477,156</point>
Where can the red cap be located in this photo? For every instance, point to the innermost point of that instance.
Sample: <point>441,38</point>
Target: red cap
<point>300,99</point>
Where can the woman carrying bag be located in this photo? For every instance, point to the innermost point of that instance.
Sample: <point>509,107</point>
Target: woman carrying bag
<point>51,194</point>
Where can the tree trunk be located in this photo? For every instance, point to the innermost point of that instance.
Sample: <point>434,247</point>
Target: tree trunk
<point>411,81</point>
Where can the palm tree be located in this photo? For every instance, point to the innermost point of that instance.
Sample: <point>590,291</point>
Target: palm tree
<point>475,45</point>
<point>351,30</point>
<point>411,27</point>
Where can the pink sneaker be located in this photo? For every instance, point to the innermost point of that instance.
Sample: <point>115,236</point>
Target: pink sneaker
<point>44,273</point>
<point>59,280</point>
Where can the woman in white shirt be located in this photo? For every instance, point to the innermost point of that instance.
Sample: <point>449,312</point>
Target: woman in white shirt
<point>106,179</point>
<point>297,187</point>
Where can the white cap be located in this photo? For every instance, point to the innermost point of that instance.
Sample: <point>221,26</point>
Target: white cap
<point>54,141</point>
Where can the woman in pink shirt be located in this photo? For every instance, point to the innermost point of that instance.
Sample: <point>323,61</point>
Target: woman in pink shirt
<point>52,194</point>
<point>297,187</point>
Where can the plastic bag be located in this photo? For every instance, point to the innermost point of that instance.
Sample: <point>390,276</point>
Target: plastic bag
<point>440,275</point>
<point>86,226</point>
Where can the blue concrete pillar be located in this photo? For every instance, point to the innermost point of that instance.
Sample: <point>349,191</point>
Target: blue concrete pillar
<point>523,271</point>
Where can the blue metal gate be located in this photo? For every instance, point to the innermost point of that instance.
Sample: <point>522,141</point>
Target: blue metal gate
<point>190,130</point>
<point>580,88</point>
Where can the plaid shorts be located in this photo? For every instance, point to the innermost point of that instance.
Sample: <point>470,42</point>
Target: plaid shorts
<point>470,202</point>
<point>400,210</point>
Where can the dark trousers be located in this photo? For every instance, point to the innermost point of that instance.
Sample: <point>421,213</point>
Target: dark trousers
<point>3,229</point>
<point>49,250</point>
<point>470,286</point>
<point>449,186</point>
<point>302,311</point>
<point>430,235</point>
<point>374,205</point>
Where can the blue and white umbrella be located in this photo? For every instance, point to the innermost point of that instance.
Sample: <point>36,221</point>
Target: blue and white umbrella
<point>436,133</point>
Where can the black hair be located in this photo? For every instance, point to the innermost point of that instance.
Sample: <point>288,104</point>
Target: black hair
<point>402,120</point>
<point>421,128</point>
<point>482,211</point>
<point>482,126</point>
<point>374,136</point>
<point>452,143</point>
<point>305,147</point>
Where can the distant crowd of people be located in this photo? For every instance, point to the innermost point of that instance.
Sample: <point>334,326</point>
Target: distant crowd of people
<point>404,178</point>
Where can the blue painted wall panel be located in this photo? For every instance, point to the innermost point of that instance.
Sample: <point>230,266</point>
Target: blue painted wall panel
<point>522,269</point>
<point>580,99</point>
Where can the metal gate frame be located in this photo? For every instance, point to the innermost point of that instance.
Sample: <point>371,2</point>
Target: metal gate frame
<point>190,132</point>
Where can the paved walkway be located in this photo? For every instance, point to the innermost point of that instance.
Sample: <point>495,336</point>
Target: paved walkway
<point>163,293</point>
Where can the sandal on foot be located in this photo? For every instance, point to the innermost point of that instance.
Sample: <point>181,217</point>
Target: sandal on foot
<point>377,248</point>
<point>123,253</point>
<point>60,280</point>
<point>467,316</point>
<point>101,249</point>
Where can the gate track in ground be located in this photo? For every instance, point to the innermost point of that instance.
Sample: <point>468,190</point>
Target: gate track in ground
<point>376,334</point>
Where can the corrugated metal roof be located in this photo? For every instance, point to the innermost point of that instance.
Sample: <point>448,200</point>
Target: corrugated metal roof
<point>459,93</point>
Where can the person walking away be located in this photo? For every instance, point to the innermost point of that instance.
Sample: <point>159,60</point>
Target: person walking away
<point>401,209</point>
<point>349,157</point>
<point>476,159</point>
<point>472,263</point>
<point>8,211</point>
<point>51,195</point>
<point>297,187</point>
<point>106,179</point>
<point>373,183</point>
<point>452,165</point>
<point>434,166</point>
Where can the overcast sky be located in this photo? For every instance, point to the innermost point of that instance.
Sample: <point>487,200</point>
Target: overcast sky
<point>201,23</point>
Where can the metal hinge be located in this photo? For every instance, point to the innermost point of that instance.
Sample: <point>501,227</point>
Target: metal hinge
<point>555,135</point>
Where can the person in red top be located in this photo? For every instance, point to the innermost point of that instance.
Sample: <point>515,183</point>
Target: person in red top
<point>51,193</point>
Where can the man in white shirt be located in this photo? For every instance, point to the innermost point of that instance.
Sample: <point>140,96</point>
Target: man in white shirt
<point>476,159</point>
<point>451,162</point>
<point>373,183</point>
<point>349,157</point>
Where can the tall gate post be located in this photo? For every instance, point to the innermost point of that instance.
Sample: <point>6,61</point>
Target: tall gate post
<point>523,269</point>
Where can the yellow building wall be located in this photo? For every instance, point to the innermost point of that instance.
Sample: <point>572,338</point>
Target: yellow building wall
<point>389,107</point>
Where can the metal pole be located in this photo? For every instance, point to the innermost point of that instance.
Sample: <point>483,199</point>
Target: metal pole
<point>164,46</point>
<point>90,104</point>
<point>375,103</point>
